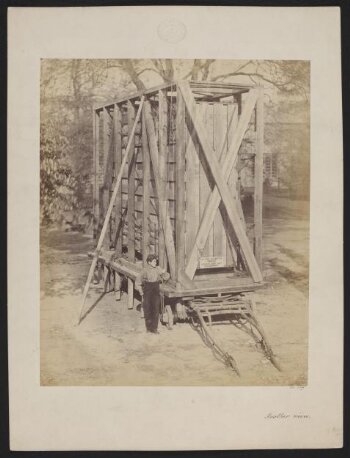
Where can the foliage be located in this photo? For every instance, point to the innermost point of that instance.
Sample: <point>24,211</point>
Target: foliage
<point>57,183</point>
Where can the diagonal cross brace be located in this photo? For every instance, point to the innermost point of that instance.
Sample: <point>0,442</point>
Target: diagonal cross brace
<point>221,188</point>
<point>162,204</point>
<point>128,152</point>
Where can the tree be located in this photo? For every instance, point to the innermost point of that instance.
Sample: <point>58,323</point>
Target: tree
<point>70,88</point>
<point>289,77</point>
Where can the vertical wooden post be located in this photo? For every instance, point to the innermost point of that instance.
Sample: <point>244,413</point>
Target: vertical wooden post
<point>131,188</point>
<point>180,185</point>
<point>118,232</point>
<point>117,284</point>
<point>259,164</point>
<point>105,189</point>
<point>105,146</point>
<point>202,110</point>
<point>162,163</point>
<point>96,146</point>
<point>146,193</point>
<point>210,136</point>
<point>232,121</point>
<point>130,294</point>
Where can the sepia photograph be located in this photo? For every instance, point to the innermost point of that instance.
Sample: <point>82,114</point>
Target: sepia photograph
<point>175,228</point>
<point>174,222</point>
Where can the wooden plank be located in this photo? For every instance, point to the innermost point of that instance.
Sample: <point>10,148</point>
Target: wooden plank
<point>163,150</point>
<point>128,152</point>
<point>131,188</point>
<point>209,123</point>
<point>211,84</point>
<point>211,285</point>
<point>163,214</point>
<point>180,186</point>
<point>220,144</point>
<point>117,236</point>
<point>258,190</point>
<point>96,153</point>
<point>220,182</point>
<point>204,288</point>
<point>204,188</point>
<point>146,186</point>
<point>192,189</point>
<point>227,163</point>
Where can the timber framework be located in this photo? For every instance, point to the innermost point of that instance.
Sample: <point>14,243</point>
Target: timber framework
<point>167,169</point>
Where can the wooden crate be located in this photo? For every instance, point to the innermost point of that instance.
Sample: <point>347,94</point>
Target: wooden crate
<point>180,190</point>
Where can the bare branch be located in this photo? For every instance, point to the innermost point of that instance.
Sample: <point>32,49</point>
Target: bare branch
<point>148,69</point>
<point>129,68</point>
<point>235,72</point>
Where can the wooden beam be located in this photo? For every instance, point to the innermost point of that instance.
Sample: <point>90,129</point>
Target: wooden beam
<point>117,236</point>
<point>128,152</point>
<point>96,152</point>
<point>163,206</point>
<point>146,194</point>
<point>131,187</point>
<point>192,190</point>
<point>227,163</point>
<point>163,157</point>
<point>221,184</point>
<point>208,84</point>
<point>180,186</point>
<point>259,176</point>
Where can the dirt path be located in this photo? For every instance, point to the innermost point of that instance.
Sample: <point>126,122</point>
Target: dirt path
<point>110,347</point>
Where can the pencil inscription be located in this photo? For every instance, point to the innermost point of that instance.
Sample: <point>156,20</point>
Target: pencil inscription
<point>286,416</point>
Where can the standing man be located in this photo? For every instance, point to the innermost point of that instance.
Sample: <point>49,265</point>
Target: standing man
<point>147,283</point>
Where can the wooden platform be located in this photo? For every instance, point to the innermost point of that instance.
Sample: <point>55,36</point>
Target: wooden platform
<point>204,284</point>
